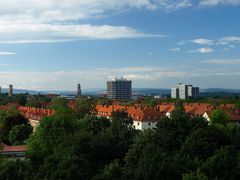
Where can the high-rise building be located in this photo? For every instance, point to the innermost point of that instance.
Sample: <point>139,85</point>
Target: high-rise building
<point>184,91</point>
<point>79,91</point>
<point>174,93</point>
<point>193,91</point>
<point>10,90</point>
<point>119,89</point>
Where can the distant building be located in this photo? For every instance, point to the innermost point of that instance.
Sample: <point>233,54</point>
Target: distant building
<point>193,91</point>
<point>79,91</point>
<point>174,93</point>
<point>184,91</point>
<point>10,91</point>
<point>0,90</point>
<point>119,89</point>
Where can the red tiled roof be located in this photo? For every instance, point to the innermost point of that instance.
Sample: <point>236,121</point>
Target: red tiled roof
<point>6,148</point>
<point>31,112</point>
<point>146,113</point>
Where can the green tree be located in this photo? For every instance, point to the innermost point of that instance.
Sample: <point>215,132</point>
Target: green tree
<point>19,134</point>
<point>195,176</point>
<point>219,117</point>
<point>59,103</point>
<point>9,122</point>
<point>32,101</point>
<point>223,164</point>
<point>111,171</point>
<point>203,142</point>
<point>17,169</point>
<point>83,106</point>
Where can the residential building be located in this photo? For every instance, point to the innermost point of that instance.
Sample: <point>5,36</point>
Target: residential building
<point>184,91</point>
<point>193,91</point>
<point>174,93</point>
<point>119,89</point>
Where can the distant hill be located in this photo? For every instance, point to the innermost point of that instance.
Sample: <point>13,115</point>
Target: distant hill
<point>214,90</point>
<point>139,91</point>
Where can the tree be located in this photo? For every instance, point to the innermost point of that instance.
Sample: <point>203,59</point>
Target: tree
<point>51,132</point>
<point>94,124</point>
<point>110,171</point>
<point>9,122</point>
<point>223,164</point>
<point>16,169</point>
<point>32,101</point>
<point>195,176</point>
<point>219,117</point>
<point>83,106</point>
<point>203,142</point>
<point>19,134</point>
<point>59,103</point>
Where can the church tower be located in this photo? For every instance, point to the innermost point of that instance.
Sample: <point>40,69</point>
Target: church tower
<point>79,92</point>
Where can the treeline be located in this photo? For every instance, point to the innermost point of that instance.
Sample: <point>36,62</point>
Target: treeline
<point>75,145</point>
<point>25,99</point>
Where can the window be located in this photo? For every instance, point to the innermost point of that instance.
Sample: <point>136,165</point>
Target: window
<point>149,124</point>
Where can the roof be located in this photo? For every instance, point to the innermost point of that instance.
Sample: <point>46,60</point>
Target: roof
<point>146,113</point>
<point>6,148</point>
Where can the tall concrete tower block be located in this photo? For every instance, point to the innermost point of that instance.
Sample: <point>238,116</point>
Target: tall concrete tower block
<point>119,89</point>
<point>79,91</point>
<point>10,91</point>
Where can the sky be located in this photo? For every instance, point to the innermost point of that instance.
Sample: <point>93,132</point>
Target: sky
<point>56,44</point>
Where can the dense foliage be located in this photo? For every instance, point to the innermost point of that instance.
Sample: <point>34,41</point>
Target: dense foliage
<point>14,127</point>
<point>72,144</point>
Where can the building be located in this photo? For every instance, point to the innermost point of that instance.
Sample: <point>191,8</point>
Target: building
<point>119,89</point>
<point>193,91</point>
<point>79,91</point>
<point>184,91</point>
<point>13,151</point>
<point>10,91</point>
<point>174,93</point>
<point>144,117</point>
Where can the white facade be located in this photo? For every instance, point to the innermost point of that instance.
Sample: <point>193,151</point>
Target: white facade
<point>142,125</point>
<point>183,91</point>
<point>205,115</point>
<point>174,93</point>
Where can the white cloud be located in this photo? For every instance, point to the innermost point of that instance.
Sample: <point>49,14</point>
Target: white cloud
<point>28,21</point>
<point>96,78</point>
<point>6,53</point>
<point>202,41</point>
<point>174,49</point>
<point>203,50</point>
<point>219,2</point>
<point>223,61</point>
<point>31,32</point>
<point>67,80</point>
<point>229,39</point>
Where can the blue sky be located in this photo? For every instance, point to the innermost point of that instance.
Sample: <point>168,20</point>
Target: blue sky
<point>53,45</point>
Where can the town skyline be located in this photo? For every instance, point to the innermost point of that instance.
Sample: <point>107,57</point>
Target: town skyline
<point>156,44</point>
